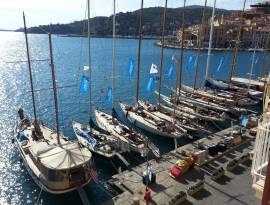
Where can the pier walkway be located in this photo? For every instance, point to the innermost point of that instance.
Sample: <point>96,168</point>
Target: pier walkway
<point>234,187</point>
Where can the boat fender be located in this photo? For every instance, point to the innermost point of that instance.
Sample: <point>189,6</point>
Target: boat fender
<point>12,140</point>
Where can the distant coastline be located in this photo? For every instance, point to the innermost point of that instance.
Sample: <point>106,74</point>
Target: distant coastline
<point>8,30</point>
<point>170,46</point>
<point>110,36</point>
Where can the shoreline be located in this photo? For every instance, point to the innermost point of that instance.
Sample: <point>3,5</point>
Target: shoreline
<point>168,46</point>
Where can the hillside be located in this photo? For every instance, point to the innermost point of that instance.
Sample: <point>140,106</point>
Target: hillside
<point>128,23</point>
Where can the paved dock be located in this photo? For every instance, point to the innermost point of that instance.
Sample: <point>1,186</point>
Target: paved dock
<point>232,188</point>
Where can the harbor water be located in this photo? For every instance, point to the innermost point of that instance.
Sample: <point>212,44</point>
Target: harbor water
<point>70,56</point>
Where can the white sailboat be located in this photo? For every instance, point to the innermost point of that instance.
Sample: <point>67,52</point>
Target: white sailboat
<point>131,140</point>
<point>144,119</point>
<point>189,99</point>
<point>151,123</point>
<point>254,84</point>
<point>98,142</point>
<point>252,96</point>
<point>189,123</point>
<point>224,98</point>
<point>200,112</point>
<point>56,164</point>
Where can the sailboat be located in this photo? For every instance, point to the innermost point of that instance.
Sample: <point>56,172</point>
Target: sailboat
<point>143,118</point>
<point>96,140</point>
<point>183,104</point>
<point>189,99</point>
<point>182,120</point>
<point>200,112</point>
<point>132,140</point>
<point>56,164</point>
<point>214,98</point>
<point>249,83</point>
<point>252,96</point>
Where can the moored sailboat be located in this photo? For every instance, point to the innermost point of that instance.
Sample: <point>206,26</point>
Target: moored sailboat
<point>138,115</point>
<point>247,95</point>
<point>130,139</point>
<point>151,123</point>
<point>97,141</point>
<point>200,112</point>
<point>57,164</point>
<point>187,122</point>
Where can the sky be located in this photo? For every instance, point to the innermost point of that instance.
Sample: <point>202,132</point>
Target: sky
<point>41,12</point>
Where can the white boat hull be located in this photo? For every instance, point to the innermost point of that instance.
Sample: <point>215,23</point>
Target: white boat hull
<point>190,111</point>
<point>98,151</point>
<point>104,121</point>
<point>38,177</point>
<point>145,125</point>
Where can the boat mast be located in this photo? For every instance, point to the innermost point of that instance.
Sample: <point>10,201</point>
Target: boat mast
<point>235,54</point>
<point>210,42</point>
<point>139,53</point>
<point>30,69</point>
<point>262,70</point>
<point>180,65</point>
<point>251,68</point>
<point>113,58</point>
<point>54,90</point>
<point>89,62</point>
<point>200,38</point>
<point>252,63</point>
<point>162,49</point>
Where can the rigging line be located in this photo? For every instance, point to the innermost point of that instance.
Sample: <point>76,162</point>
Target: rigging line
<point>51,88</point>
<point>266,51</point>
<point>80,56</point>
<point>25,61</point>
<point>39,195</point>
<point>180,63</point>
<point>200,39</point>
<point>162,49</point>
<point>89,61</point>
<point>235,53</point>
<point>139,52</point>
<point>29,68</point>
<point>113,57</point>
<point>208,61</point>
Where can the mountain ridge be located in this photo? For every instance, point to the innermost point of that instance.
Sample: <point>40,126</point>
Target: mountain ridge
<point>127,23</point>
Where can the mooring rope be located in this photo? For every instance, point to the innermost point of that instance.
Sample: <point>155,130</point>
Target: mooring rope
<point>39,194</point>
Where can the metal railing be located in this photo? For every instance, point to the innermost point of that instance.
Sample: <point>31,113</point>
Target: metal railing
<point>261,151</point>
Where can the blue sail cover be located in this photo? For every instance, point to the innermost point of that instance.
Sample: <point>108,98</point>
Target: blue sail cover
<point>130,68</point>
<point>21,137</point>
<point>195,63</point>
<point>171,71</point>
<point>109,95</point>
<point>220,63</point>
<point>189,62</point>
<point>244,120</point>
<point>84,88</point>
<point>86,136</point>
<point>150,84</point>
<point>257,61</point>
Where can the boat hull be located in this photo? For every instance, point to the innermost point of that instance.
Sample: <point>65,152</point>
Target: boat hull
<point>137,121</point>
<point>88,145</point>
<point>125,143</point>
<point>38,179</point>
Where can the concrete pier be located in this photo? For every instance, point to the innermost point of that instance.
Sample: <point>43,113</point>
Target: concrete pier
<point>234,187</point>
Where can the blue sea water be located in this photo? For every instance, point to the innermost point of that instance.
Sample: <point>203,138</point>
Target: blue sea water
<point>70,55</point>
